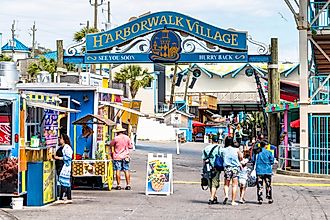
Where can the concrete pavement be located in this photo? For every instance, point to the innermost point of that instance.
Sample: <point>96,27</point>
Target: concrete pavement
<point>294,197</point>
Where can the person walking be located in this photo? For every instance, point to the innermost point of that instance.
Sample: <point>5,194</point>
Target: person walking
<point>242,179</point>
<point>121,158</point>
<point>65,174</point>
<point>231,161</point>
<point>264,160</point>
<point>209,155</point>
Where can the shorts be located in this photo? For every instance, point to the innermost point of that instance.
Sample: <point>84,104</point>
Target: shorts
<point>121,165</point>
<point>215,180</point>
<point>231,172</point>
<point>242,183</point>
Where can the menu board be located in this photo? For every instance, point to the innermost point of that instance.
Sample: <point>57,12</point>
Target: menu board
<point>51,127</point>
<point>159,174</point>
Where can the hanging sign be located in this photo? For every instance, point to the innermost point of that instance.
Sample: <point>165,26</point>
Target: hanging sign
<point>159,174</point>
<point>51,128</point>
<point>228,39</point>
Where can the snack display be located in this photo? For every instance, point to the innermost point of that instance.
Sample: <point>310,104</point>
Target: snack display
<point>100,168</point>
<point>8,175</point>
<point>97,168</point>
<point>78,169</point>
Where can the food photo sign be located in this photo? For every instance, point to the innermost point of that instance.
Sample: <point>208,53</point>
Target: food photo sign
<point>159,174</point>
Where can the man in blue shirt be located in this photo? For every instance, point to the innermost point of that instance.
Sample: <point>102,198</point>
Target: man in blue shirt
<point>264,161</point>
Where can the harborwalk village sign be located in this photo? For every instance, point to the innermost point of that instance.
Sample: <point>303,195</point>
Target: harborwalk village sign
<point>175,38</point>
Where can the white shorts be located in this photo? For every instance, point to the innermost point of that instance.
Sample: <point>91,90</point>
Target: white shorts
<point>242,182</point>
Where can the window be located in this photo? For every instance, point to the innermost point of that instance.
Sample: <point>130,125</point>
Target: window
<point>6,112</point>
<point>34,119</point>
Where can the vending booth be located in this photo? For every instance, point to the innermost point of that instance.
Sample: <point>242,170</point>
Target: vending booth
<point>28,138</point>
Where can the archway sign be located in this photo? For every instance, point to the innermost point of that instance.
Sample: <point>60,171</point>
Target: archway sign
<point>166,37</point>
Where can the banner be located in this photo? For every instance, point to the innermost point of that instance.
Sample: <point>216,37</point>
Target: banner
<point>159,174</point>
<point>48,182</point>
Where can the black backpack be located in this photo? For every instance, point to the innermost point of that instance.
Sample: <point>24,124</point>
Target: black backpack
<point>207,169</point>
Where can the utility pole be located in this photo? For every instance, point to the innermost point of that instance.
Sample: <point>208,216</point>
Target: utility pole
<point>33,29</point>
<point>108,23</point>
<point>13,38</point>
<point>273,93</point>
<point>96,4</point>
<point>60,62</point>
<point>173,85</point>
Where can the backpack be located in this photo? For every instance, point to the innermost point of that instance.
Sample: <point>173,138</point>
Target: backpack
<point>207,168</point>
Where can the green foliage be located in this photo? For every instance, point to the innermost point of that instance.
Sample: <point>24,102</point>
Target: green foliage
<point>80,35</point>
<point>71,67</point>
<point>42,64</point>
<point>33,69</point>
<point>135,76</point>
<point>5,58</point>
<point>255,119</point>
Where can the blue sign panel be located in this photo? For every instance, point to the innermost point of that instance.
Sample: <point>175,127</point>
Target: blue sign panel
<point>228,39</point>
<point>73,59</point>
<point>184,58</point>
<point>259,58</point>
<point>165,46</point>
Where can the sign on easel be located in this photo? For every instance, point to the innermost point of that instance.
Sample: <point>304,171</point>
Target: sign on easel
<point>159,174</point>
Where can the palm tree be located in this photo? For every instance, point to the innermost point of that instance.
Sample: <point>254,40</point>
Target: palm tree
<point>80,35</point>
<point>254,120</point>
<point>5,58</point>
<point>42,64</point>
<point>135,76</point>
<point>33,69</point>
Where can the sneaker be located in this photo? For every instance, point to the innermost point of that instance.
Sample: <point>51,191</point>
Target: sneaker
<point>242,201</point>
<point>259,202</point>
<point>60,201</point>
<point>68,201</point>
<point>270,201</point>
<point>234,203</point>
<point>225,201</point>
<point>128,188</point>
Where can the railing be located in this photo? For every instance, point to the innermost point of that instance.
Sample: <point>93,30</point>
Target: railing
<point>315,159</point>
<point>319,88</point>
<point>323,20</point>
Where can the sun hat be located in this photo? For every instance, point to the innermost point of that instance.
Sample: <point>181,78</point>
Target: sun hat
<point>118,128</point>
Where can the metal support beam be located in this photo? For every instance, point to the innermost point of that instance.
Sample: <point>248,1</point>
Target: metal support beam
<point>295,14</point>
<point>320,12</point>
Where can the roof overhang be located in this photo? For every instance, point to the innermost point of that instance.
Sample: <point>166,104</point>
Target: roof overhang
<point>123,108</point>
<point>50,107</point>
<point>55,86</point>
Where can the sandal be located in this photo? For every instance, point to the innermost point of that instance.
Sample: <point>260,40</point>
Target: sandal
<point>128,188</point>
<point>118,188</point>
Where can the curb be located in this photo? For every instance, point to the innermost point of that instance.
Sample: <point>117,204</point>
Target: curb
<point>6,216</point>
<point>292,173</point>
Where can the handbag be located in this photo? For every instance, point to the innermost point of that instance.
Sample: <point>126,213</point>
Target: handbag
<point>252,178</point>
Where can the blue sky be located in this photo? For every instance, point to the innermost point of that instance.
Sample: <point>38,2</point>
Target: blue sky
<point>59,19</point>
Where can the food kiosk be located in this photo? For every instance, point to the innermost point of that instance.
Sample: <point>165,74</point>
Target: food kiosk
<point>28,136</point>
<point>100,163</point>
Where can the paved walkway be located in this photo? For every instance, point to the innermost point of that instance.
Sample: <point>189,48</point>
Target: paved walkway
<point>294,197</point>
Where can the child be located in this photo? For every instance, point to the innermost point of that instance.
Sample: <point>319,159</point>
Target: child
<point>242,179</point>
